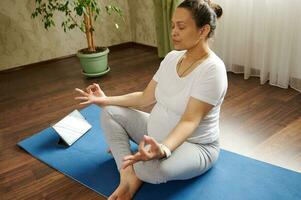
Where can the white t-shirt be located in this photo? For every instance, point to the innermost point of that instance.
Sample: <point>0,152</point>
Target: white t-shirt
<point>207,82</point>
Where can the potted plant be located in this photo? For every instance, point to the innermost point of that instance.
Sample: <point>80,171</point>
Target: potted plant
<point>79,14</point>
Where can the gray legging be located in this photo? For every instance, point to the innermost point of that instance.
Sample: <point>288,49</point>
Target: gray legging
<point>120,124</point>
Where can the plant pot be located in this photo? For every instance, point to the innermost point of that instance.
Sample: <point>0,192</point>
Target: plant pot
<point>94,64</point>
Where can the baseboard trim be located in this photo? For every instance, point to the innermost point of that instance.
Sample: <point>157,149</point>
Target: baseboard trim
<point>112,49</point>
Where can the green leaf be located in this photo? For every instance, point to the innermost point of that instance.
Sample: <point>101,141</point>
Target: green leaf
<point>66,5</point>
<point>97,10</point>
<point>72,26</point>
<point>46,25</point>
<point>34,14</point>
<point>84,10</point>
<point>79,10</point>
<point>82,27</point>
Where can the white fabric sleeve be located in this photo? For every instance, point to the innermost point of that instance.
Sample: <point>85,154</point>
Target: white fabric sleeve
<point>159,72</point>
<point>210,86</point>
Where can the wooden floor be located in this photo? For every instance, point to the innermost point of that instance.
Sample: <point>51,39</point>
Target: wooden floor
<point>260,121</point>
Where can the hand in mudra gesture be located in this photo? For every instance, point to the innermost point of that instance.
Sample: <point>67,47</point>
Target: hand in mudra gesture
<point>93,94</point>
<point>149,149</point>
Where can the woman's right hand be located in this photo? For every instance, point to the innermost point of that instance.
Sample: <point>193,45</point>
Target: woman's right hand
<point>93,94</point>
<point>96,90</point>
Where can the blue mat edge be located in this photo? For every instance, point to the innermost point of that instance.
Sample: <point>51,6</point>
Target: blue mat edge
<point>20,145</point>
<point>263,162</point>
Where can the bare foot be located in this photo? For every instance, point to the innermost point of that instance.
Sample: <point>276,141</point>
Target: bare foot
<point>129,184</point>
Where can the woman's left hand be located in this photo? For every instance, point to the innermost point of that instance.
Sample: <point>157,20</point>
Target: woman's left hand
<point>149,149</point>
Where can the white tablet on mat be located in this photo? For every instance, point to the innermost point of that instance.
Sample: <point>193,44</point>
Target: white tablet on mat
<point>72,127</point>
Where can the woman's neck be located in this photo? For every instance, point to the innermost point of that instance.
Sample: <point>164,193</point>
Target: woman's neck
<point>198,51</point>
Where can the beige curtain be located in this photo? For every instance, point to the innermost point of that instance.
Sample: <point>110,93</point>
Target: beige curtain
<point>261,38</point>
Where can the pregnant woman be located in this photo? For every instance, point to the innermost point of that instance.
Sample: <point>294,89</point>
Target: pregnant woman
<point>179,139</point>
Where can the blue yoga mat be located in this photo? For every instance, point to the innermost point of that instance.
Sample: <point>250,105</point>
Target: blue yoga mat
<point>233,177</point>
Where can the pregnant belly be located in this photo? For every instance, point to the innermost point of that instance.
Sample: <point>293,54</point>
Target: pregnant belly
<point>160,123</point>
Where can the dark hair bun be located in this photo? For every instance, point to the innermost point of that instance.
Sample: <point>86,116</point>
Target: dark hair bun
<point>217,9</point>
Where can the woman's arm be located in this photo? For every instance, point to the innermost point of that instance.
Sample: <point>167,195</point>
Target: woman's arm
<point>195,111</point>
<point>135,99</point>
